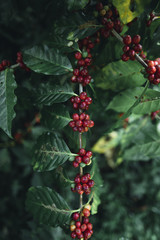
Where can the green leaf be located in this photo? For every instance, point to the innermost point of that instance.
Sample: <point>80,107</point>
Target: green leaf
<point>75,27</point>
<point>130,110</point>
<point>76,5</point>
<point>125,8</point>
<point>153,27</point>
<point>64,45</point>
<point>143,152</point>
<point>96,176</point>
<point>47,206</point>
<point>120,75</point>
<point>7,100</point>
<point>48,94</point>
<point>149,102</point>
<point>55,117</point>
<point>41,59</point>
<point>50,152</point>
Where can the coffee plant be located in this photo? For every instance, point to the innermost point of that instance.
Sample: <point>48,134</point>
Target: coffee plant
<point>79,119</point>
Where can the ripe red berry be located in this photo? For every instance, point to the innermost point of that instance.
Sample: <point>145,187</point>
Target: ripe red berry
<point>87,117</point>
<point>78,55</point>
<point>151,64</point>
<point>109,25</point>
<point>86,160</point>
<point>73,235</point>
<point>77,179</point>
<point>79,123</point>
<point>126,48</point>
<point>137,48</point>
<point>82,116</point>
<point>84,72</point>
<point>87,234</point>
<point>75,105</point>
<point>131,53</point>
<point>151,77</point>
<point>124,57</point>
<point>91,183</point>
<point>85,187</point>
<point>89,226</point>
<point>78,231</point>
<point>88,175</point>
<point>81,62</point>
<point>84,179</point>
<point>78,187</point>
<point>82,152</point>
<point>85,220</point>
<point>83,95</point>
<point>77,99</point>
<point>78,224</point>
<point>136,39</point>
<point>75,129</point>
<point>75,216</point>
<point>84,227</point>
<point>91,124</point>
<point>127,40</point>
<point>72,124</point>
<point>78,159</point>
<point>75,117</point>
<point>86,212</point>
<point>88,154</point>
<point>75,164</point>
<point>76,72</point>
<point>88,100</point>
<point>73,79</point>
<point>80,79</point>
<point>151,70</point>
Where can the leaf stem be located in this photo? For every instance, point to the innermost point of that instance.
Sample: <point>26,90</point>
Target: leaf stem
<point>15,66</point>
<point>80,146</point>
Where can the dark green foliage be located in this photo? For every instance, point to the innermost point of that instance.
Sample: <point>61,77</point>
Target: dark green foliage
<point>125,167</point>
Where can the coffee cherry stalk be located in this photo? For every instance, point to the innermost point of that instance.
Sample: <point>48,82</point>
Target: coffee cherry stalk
<point>80,226</point>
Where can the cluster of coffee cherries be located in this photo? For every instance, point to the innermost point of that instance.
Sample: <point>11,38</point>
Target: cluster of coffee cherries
<point>83,157</point>
<point>83,184</point>
<point>20,61</point>
<point>131,47</point>
<point>82,230</point>
<point>81,122</point>
<point>81,102</point>
<point>80,73</point>
<point>151,18</point>
<point>110,19</point>
<point>4,64</point>
<point>153,71</point>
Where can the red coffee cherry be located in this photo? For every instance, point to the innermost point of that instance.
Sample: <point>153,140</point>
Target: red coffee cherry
<point>84,179</point>
<point>75,164</point>
<point>85,220</point>
<point>78,55</point>
<point>127,40</point>
<point>75,117</point>
<point>91,183</point>
<point>78,224</point>
<point>86,212</point>
<point>75,216</point>
<point>89,226</point>
<point>136,39</point>
<point>125,57</point>
<point>82,152</point>
<point>73,235</point>
<point>83,227</point>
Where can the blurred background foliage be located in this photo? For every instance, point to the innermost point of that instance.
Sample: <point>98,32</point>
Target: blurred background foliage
<point>130,169</point>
